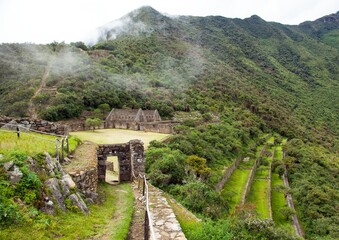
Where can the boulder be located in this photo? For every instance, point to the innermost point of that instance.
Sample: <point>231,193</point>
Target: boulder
<point>48,206</point>
<point>64,187</point>
<point>15,175</point>
<point>69,181</point>
<point>77,201</point>
<point>8,165</point>
<point>50,164</point>
<point>53,185</point>
<point>91,196</point>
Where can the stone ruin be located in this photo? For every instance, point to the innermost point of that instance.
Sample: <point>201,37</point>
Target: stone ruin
<point>131,159</point>
<point>26,124</point>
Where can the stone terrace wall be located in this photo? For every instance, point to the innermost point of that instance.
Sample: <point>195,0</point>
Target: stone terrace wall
<point>252,174</point>
<point>83,167</point>
<point>228,173</point>
<point>86,179</point>
<point>35,124</point>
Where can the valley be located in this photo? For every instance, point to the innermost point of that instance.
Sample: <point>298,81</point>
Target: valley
<point>255,106</point>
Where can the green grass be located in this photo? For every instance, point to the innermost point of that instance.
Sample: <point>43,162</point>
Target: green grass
<point>234,187</point>
<point>262,172</point>
<point>30,143</point>
<point>278,200</point>
<point>259,196</point>
<point>271,140</point>
<point>278,154</point>
<point>111,219</point>
<point>112,136</point>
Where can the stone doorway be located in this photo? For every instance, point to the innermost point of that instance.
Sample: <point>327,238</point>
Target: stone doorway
<point>130,158</point>
<point>112,169</point>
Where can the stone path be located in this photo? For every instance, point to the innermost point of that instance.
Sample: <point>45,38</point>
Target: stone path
<point>165,224</point>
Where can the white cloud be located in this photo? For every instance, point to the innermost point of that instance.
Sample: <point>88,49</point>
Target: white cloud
<point>44,21</point>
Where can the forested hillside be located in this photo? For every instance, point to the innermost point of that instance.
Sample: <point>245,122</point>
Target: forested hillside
<point>230,81</point>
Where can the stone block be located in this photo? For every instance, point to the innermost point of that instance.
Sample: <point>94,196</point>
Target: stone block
<point>15,175</point>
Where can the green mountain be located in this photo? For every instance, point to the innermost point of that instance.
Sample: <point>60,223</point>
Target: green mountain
<point>250,76</point>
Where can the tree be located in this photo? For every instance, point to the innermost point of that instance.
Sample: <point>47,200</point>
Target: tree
<point>198,166</point>
<point>81,45</point>
<point>104,108</point>
<point>287,212</point>
<point>93,122</point>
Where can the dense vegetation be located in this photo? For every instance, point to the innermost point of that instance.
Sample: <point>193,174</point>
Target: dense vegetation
<point>229,80</point>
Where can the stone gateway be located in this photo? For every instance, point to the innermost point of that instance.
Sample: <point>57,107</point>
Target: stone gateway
<point>131,159</point>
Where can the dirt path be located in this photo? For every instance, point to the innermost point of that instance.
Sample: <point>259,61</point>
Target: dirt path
<point>31,108</point>
<point>110,229</point>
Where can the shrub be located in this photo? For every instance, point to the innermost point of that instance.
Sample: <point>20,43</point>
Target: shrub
<point>218,230</point>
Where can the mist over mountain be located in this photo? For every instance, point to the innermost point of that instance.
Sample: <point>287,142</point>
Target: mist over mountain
<point>253,76</point>
<point>285,74</point>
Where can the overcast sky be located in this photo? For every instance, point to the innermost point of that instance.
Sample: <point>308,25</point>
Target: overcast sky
<point>45,21</point>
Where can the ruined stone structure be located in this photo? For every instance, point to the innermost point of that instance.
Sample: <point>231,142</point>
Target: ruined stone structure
<point>33,124</point>
<point>131,159</point>
<point>138,119</point>
<point>131,118</point>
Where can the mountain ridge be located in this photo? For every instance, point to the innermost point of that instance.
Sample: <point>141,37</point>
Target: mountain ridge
<point>232,80</point>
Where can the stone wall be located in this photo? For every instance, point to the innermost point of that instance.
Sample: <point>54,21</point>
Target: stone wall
<point>78,125</point>
<point>138,159</point>
<point>86,179</point>
<point>228,173</point>
<point>251,176</point>
<point>159,127</point>
<point>34,124</point>
<point>270,185</point>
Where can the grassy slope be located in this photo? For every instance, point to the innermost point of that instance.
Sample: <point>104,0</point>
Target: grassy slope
<point>235,186</point>
<point>111,136</point>
<point>106,220</point>
<point>30,143</point>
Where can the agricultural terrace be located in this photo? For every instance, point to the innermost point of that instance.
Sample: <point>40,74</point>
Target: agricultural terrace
<point>114,136</point>
<point>259,193</point>
<point>235,186</point>
<point>278,197</point>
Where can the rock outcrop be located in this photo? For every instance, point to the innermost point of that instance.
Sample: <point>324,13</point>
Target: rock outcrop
<point>58,188</point>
